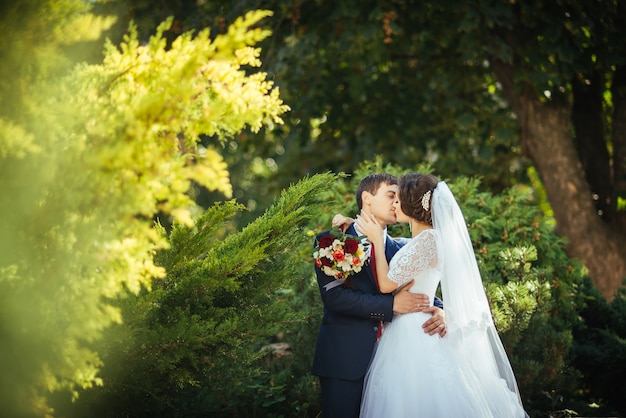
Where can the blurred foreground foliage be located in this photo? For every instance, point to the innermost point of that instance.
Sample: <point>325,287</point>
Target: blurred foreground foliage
<point>89,155</point>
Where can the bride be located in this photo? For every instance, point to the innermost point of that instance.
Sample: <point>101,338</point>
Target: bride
<point>466,373</point>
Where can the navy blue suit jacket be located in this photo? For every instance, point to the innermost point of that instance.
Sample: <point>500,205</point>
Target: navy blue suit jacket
<point>351,317</point>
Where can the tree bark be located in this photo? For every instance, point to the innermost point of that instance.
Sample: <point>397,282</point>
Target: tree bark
<point>547,141</point>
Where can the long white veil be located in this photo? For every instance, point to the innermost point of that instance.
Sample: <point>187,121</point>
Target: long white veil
<point>468,316</point>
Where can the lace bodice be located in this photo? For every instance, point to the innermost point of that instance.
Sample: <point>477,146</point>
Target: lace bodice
<point>419,259</point>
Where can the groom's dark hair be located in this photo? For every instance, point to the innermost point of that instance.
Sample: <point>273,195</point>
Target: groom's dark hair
<point>371,183</point>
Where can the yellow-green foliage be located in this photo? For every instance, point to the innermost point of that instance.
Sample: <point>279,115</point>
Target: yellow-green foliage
<point>87,159</point>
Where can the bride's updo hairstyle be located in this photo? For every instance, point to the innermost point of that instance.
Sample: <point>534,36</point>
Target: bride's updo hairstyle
<point>416,195</point>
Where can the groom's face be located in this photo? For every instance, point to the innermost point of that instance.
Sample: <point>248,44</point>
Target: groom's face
<point>381,204</point>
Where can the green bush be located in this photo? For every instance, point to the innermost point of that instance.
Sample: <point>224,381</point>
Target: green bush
<point>194,346</point>
<point>599,353</point>
<point>534,288</point>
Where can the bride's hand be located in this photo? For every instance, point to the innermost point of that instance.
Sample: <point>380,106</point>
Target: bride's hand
<point>369,226</point>
<point>342,222</point>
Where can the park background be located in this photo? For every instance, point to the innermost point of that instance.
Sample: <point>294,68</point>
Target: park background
<point>165,165</point>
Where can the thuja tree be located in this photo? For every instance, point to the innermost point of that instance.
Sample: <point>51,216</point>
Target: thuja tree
<point>89,154</point>
<point>194,345</point>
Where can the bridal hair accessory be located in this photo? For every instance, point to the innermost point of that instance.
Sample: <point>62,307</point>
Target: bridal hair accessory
<point>426,200</point>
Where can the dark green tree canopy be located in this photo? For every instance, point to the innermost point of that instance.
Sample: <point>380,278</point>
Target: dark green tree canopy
<point>480,87</point>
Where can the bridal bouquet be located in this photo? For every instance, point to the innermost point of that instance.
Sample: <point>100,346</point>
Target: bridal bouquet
<point>339,255</point>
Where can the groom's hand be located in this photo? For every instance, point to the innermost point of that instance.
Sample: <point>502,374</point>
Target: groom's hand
<point>406,302</point>
<point>437,323</point>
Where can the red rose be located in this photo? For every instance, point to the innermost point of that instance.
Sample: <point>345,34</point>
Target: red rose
<point>325,261</point>
<point>351,245</point>
<point>356,261</point>
<point>326,240</point>
<point>338,255</point>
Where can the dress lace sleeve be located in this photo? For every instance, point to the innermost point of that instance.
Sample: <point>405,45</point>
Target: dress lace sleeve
<point>419,255</point>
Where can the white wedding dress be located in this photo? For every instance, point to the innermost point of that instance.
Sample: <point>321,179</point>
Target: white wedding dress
<point>413,374</point>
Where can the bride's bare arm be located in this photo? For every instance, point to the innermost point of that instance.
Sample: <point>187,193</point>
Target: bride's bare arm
<point>342,222</point>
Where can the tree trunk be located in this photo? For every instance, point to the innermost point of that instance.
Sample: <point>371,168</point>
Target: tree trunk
<point>547,141</point>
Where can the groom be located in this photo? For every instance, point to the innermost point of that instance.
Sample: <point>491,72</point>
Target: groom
<point>352,315</point>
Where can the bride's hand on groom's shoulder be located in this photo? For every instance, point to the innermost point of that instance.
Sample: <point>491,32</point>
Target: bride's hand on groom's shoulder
<point>342,222</point>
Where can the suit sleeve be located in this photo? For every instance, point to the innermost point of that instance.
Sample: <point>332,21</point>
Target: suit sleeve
<point>354,302</point>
